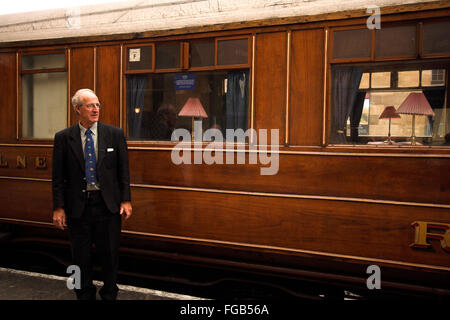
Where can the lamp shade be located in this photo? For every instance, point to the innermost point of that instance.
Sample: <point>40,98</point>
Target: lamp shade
<point>193,108</point>
<point>417,104</point>
<point>388,113</point>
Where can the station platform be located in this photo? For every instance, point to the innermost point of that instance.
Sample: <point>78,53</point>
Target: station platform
<point>25,285</point>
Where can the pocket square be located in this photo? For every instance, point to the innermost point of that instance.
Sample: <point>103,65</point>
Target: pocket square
<point>109,149</point>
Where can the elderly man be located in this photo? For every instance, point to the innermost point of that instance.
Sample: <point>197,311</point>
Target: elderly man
<point>91,191</point>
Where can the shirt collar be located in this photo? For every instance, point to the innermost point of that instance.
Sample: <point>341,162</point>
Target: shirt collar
<point>83,129</point>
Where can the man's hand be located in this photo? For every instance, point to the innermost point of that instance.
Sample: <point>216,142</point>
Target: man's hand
<point>59,218</point>
<point>125,208</point>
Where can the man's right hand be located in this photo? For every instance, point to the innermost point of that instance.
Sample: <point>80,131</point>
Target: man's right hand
<point>59,218</point>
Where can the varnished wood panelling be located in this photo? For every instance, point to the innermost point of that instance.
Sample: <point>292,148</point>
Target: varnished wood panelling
<point>26,200</point>
<point>270,83</point>
<point>306,87</point>
<point>107,83</point>
<point>8,98</point>
<point>423,180</point>
<point>362,230</point>
<point>82,73</point>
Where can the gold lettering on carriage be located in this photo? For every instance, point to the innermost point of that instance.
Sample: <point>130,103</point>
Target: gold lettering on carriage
<point>424,231</point>
<point>3,162</point>
<point>21,162</point>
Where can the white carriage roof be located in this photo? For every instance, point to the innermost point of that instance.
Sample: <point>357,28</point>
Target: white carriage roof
<point>152,15</point>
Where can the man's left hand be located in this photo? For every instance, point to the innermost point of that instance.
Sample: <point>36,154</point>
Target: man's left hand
<point>125,208</point>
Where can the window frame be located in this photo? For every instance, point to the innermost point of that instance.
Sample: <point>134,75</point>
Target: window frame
<point>30,52</point>
<point>419,57</point>
<point>185,68</point>
<point>419,42</point>
<point>125,58</point>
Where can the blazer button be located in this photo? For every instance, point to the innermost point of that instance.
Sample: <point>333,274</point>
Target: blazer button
<point>83,190</point>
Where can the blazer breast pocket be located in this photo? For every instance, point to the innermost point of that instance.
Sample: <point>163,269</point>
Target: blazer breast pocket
<point>110,157</point>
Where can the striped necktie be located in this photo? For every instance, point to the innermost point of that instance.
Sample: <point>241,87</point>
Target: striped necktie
<point>90,160</point>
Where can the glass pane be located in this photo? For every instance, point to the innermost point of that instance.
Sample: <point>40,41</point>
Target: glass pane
<point>436,37</point>
<point>365,81</point>
<point>356,112</point>
<point>43,61</point>
<point>140,58</point>
<point>400,127</point>
<point>355,43</point>
<point>431,78</point>
<point>202,53</point>
<point>168,55</point>
<point>381,79</point>
<point>42,116</point>
<point>155,100</point>
<point>408,79</point>
<point>234,51</point>
<point>395,41</point>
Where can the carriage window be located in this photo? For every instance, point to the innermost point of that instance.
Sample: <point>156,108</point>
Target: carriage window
<point>44,95</point>
<point>202,53</point>
<point>197,79</point>
<point>353,43</point>
<point>436,37</point>
<point>168,55</point>
<point>156,100</point>
<point>399,41</point>
<point>140,57</point>
<point>390,106</point>
<point>232,51</point>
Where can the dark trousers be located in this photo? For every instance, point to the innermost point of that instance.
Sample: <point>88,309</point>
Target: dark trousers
<point>96,226</point>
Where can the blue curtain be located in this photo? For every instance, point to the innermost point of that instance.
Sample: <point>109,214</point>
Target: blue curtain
<point>136,86</point>
<point>346,82</point>
<point>237,100</point>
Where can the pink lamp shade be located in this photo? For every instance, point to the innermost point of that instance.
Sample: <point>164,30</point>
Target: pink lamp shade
<point>416,104</point>
<point>193,108</point>
<point>388,113</point>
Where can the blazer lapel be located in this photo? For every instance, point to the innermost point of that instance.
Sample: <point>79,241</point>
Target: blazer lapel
<point>101,141</point>
<point>75,144</point>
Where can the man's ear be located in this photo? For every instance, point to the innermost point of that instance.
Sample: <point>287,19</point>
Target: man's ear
<point>77,110</point>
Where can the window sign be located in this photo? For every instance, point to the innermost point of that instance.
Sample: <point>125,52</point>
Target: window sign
<point>135,55</point>
<point>184,81</point>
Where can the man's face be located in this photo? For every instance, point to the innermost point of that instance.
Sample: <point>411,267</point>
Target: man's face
<point>89,112</point>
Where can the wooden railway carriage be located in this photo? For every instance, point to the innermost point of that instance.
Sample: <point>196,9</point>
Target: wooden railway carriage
<point>336,196</point>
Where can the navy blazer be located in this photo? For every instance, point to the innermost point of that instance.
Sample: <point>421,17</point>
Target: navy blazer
<point>68,175</point>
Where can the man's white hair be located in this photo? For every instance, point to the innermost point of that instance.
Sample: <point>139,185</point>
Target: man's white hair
<point>77,97</point>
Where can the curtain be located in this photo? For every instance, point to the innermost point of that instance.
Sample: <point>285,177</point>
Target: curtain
<point>345,90</point>
<point>236,103</point>
<point>136,88</point>
<point>436,98</point>
<point>355,115</point>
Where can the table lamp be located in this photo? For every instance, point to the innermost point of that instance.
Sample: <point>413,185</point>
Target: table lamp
<point>389,113</point>
<point>415,104</point>
<point>193,108</point>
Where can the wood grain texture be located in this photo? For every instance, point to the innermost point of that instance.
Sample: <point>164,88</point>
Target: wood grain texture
<point>108,83</point>
<point>270,83</point>
<point>425,180</point>
<point>306,87</point>
<point>8,97</point>
<point>364,230</point>
<point>82,73</point>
